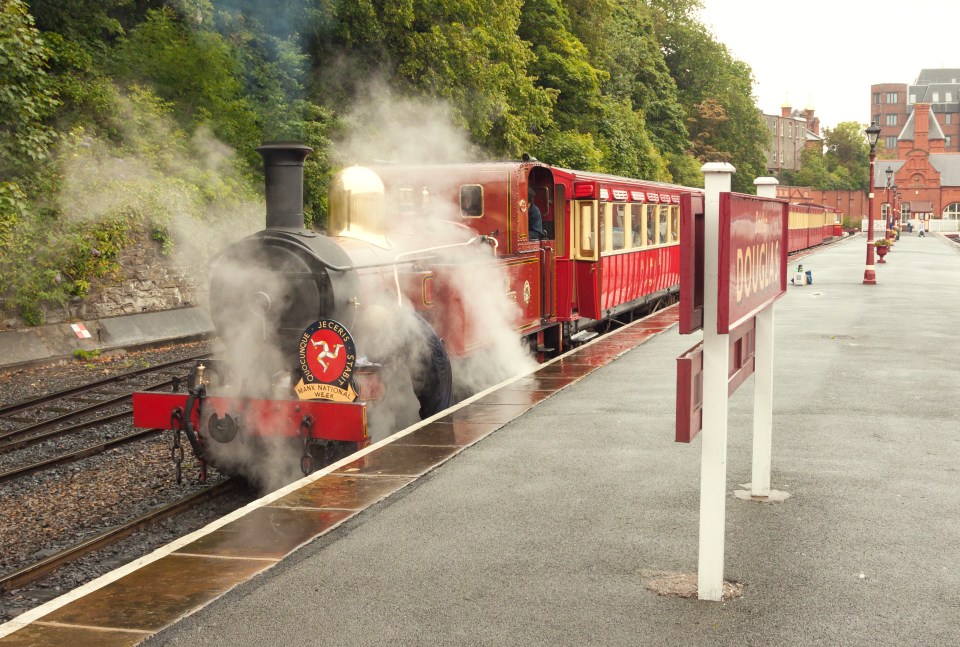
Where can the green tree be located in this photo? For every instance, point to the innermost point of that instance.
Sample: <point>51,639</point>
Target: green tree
<point>27,97</point>
<point>465,53</point>
<point>716,91</point>
<point>848,154</point>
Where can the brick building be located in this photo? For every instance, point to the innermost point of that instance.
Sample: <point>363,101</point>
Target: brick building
<point>924,178</point>
<point>791,131</point>
<point>925,172</point>
<point>892,105</point>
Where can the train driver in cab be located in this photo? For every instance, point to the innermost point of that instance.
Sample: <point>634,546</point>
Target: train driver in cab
<point>535,217</point>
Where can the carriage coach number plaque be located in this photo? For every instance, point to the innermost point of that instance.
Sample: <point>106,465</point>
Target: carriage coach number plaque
<point>327,357</point>
<point>753,257</point>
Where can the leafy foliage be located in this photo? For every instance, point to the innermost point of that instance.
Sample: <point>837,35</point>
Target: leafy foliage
<point>844,166</point>
<point>154,108</point>
<point>27,98</point>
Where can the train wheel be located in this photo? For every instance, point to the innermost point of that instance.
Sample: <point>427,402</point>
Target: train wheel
<point>430,371</point>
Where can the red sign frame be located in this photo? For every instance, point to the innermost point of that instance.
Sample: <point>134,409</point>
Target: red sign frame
<point>742,353</point>
<point>752,231</point>
<point>691,262</point>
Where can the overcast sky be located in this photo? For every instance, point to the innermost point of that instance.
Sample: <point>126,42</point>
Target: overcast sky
<point>837,48</point>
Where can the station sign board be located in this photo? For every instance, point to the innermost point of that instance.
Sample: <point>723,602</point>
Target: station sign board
<point>753,257</point>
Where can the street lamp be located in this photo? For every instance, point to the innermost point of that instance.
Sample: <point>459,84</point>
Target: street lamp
<point>869,275</point>
<point>893,207</point>
<point>899,214</point>
<point>886,199</point>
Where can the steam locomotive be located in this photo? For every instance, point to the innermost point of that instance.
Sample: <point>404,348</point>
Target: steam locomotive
<point>429,286</point>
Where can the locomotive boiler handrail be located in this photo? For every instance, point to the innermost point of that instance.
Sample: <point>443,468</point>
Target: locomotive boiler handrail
<point>396,273</point>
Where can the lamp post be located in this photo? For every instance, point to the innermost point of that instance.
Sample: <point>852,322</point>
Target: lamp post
<point>869,274</point>
<point>893,206</point>
<point>898,214</point>
<point>886,200</point>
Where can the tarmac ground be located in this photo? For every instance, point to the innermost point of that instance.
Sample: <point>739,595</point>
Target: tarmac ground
<point>552,527</point>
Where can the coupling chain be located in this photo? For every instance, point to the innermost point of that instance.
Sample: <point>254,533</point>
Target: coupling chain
<point>306,461</point>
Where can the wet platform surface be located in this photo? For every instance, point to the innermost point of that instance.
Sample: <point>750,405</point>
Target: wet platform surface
<point>532,517</point>
<point>146,600</point>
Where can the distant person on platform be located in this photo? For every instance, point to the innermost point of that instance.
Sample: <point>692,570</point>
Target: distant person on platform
<point>535,218</point>
<point>922,235</point>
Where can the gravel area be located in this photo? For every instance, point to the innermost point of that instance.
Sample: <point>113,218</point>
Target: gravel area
<point>49,511</point>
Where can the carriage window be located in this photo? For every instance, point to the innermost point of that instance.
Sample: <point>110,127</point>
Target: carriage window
<point>618,219</point>
<point>662,232</point>
<point>586,232</point>
<point>636,226</point>
<point>602,229</point>
<point>471,201</point>
<point>651,224</point>
<point>674,223</point>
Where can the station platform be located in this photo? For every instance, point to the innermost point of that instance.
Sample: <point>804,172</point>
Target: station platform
<point>53,343</point>
<point>548,510</point>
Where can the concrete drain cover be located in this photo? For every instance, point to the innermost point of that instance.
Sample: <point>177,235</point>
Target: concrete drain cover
<point>776,496</point>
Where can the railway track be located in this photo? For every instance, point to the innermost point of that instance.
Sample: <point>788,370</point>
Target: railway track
<point>71,410</point>
<point>37,570</point>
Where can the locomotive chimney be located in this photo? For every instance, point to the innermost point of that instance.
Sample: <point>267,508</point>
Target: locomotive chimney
<point>283,174</point>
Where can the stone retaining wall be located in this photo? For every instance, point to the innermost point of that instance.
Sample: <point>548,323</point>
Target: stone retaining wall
<point>147,281</point>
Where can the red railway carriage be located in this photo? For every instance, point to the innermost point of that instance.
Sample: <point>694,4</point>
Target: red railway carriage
<point>610,244</point>
<point>809,225</point>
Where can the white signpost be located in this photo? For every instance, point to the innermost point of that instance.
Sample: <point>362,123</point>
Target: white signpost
<point>744,252</point>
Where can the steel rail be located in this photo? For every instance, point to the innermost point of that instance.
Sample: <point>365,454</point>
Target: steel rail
<point>8,437</point>
<point>50,397</point>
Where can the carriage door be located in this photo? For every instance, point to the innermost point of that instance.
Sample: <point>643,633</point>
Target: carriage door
<point>541,180</point>
<point>586,252</point>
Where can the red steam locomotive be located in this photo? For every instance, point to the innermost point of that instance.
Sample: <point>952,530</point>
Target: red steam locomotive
<point>430,285</point>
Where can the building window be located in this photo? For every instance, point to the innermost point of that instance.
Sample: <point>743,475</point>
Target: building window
<point>952,211</point>
<point>892,97</point>
<point>876,97</point>
<point>790,130</point>
<point>948,118</point>
<point>891,120</point>
<point>913,98</point>
<point>949,97</point>
<point>947,142</point>
<point>890,143</point>
<point>936,97</point>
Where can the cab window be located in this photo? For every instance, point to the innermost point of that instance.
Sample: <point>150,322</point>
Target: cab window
<point>471,201</point>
